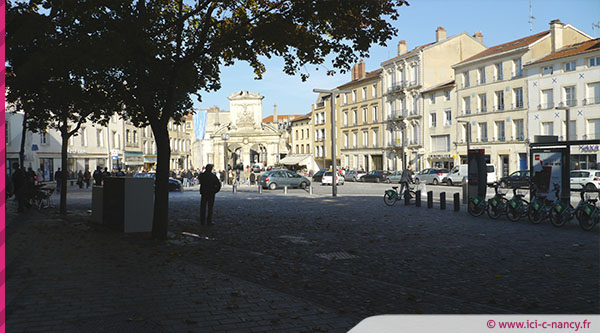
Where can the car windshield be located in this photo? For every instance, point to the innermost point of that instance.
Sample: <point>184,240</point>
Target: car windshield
<point>490,168</point>
<point>328,173</point>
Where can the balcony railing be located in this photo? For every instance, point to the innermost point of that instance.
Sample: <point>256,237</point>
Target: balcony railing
<point>396,86</point>
<point>320,105</point>
<point>499,107</point>
<point>518,74</point>
<point>591,100</point>
<point>466,111</point>
<point>501,138</point>
<point>516,106</point>
<point>520,137</point>
<point>397,115</point>
<point>484,139</point>
<point>482,109</point>
<point>546,106</point>
<point>568,102</point>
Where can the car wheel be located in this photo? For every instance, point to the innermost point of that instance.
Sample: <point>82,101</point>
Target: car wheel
<point>272,186</point>
<point>435,181</point>
<point>590,187</point>
<point>303,185</point>
<point>449,182</point>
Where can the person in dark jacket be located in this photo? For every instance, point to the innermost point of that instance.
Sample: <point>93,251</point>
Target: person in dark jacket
<point>98,176</point>
<point>58,177</point>
<point>86,177</point>
<point>209,186</point>
<point>405,179</point>
<point>19,180</point>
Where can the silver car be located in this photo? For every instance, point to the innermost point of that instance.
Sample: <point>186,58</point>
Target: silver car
<point>432,175</point>
<point>281,178</point>
<point>395,177</point>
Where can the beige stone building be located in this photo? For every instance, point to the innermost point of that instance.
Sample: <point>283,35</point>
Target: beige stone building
<point>321,119</point>
<point>133,156</point>
<point>360,121</point>
<point>492,96</point>
<point>300,134</point>
<point>404,78</point>
<point>439,110</point>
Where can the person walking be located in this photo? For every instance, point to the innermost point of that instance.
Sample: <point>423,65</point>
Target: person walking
<point>86,177</point>
<point>209,186</point>
<point>405,179</point>
<point>40,175</point>
<point>98,176</point>
<point>58,177</point>
<point>80,179</point>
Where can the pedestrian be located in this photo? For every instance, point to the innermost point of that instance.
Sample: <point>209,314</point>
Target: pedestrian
<point>105,174</point>
<point>19,180</point>
<point>59,179</point>
<point>209,186</point>
<point>98,176</point>
<point>252,178</point>
<point>80,179</point>
<point>405,179</point>
<point>120,172</point>
<point>86,177</point>
<point>40,175</point>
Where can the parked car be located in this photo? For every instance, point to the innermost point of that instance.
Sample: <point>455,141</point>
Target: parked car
<point>432,176</point>
<point>517,178</point>
<point>328,178</point>
<point>280,178</point>
<point>395,176</point>
<point>376,176</point>
<point>350,175</point>
<point>459,174</point>
<point>174,184</point>
<point>318,176</point>
<point>588,179</point>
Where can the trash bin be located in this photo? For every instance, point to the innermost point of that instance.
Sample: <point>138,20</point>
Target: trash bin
<point>128,203</point>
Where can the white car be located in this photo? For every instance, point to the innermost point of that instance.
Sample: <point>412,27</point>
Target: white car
<point>328,179</point>
<point>588,179</point>
<point>459,174</point>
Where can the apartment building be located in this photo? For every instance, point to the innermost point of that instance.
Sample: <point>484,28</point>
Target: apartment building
<point>360,120</point>
<point>568,79</point>
<point>404,79</point>
<point>492,95</point>
<point>180,143</point>
<point>133,155</point>
<point>301,138</point>
<point>321,116</point>
<point>439,105</point>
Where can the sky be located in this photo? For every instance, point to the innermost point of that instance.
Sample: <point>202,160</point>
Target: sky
<point>499,21</point>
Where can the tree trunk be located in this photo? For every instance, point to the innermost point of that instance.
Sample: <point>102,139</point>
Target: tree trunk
<point>63,157</point>
<point>161,191</point>
<point>23,138</point>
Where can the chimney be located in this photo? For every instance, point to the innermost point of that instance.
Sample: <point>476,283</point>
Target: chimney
<point>402,47</point>
<point>478,36</point>
<point>361,70</point>
<point>440,34</point>
<point>354,72</point>
<point>556,34</point>
<point>274,113</point>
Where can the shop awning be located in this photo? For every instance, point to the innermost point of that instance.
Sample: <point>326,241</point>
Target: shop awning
<point>296,159</point>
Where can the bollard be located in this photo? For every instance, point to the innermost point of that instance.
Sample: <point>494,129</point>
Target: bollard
<point>443,200</point>
<point>234,189</point>
<point>259,188</point>
<point>406,198</point>
<point>418,199</point>
<point>465,190</point>
<point>456,202</point>
<point>430,199</point>
<point>285,190</point>
<point>310,190</point>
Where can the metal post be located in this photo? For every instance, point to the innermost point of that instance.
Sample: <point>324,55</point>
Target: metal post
<point>406,198</point>
<point>285,190</point>
<point>333,162</point>
<point>430,199</point>
<point>442,200</point>
<point>310,190</point>
<point>465,192</point>
<point>456,202</point>
<point>418,199</point>
<point>259,188</point>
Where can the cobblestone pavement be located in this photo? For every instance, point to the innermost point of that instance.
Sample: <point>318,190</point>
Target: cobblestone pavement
<point>290,262</point>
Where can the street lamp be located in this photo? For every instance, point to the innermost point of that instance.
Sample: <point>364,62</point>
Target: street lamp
<point>332,94</point>
<point>225,137</point>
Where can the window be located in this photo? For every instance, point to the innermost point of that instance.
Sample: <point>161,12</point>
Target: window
<point>593,129</point>
<point>500,100</point>
<point>355,116</point>
<point>483,135</point>
<point>354,140</point>
<point>364,93</point>
<point>440,143</point>
<point>84,141</point>
<point>345,98</point>
<point>99,138</point>
<point>594,61</point>
<point>365,139</point>
<point>467,80</point>
<point>375,116</point>
<point>414,75</point>
<point>499,72</point>
<point>44,138</point>
<point>547,99</point>
<point>447,94</point>
<point>374,93</point>
<point>548,128</point>
<point>572,130</point>
<point>482,103</point>
<point>447,117</point>
<point>127,136</point>
<point>519,129</point>
<point>570,96</point>
<point>135,136</point>
<point>570,66</point>
<point>307,134</point>
<point>482,75</point>
<point>593,93</point>
<point>432,119</point>
<point>296,134</point>
<point>375,138</point>
<point>346,140</point>
<point>518,68</point>
<point>547,70</point>
<point>354,96</point>
<point>365,115</point>
<point>500,133</point>
<point>432,98</point>
<point>297,149</point>
<point>518,96</point>
<point>170,125</point>
<point>188,125</point>
<point>466,105</point>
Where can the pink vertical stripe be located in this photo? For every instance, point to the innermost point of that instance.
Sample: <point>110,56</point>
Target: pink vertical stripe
<point>2,180</point>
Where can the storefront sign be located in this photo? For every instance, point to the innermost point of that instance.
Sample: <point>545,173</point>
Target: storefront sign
<point>114,153</point>
<point>440,156</point>
<point>76,151</point>
<point>589,148</point>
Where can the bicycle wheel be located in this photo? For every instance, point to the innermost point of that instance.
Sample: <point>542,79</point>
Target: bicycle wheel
<point>474,209</point>
<point>586,222</point>
<point>513,214</point>
<point>494,212</point>
<point>535,216</point>
<point>558,219</point>
<point>389,199</point>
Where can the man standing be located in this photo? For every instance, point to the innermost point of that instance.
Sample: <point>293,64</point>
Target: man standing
<point>98,176</point>
<point>58,178</point>
<point>405,179</point>
<point>209,186</point>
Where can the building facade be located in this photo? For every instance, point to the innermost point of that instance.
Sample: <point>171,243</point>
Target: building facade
<point>439,108</point>
<point>301,138</point>
<point>492,95</point>
<point>360,121</point>
<point>404,79</point>
<point>321,118</point>
<point>568,79</point>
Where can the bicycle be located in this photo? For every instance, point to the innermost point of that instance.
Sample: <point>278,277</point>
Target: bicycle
<point>40,196</point>
<point>563,212</point>
<point>540,207</point>
<point>477,205</point>
<point>590,214</point>
<point>391,196</point>
<point>497,204</point>
<point>517,206</point>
